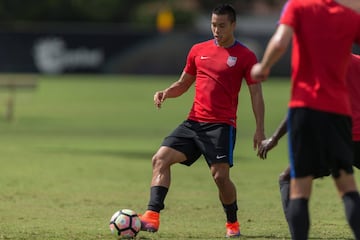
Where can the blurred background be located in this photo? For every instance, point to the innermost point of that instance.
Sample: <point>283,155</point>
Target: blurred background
<point>121,36</point>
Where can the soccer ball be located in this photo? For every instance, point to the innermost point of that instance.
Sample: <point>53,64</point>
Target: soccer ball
<point>125,223</point>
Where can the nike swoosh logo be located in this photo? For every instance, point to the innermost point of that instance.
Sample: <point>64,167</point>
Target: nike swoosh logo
<point>203,57</point>
<point>220,157</point>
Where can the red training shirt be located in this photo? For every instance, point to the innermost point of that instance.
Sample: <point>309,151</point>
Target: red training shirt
<point>353,80</point>
<point>219,72</point>
<point>324,32</point>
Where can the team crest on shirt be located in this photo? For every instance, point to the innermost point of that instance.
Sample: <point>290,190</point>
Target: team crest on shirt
<point>231,61</point>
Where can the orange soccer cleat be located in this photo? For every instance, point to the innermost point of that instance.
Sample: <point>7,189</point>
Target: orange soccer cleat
<point>150,221</point>
<point>232,230</point>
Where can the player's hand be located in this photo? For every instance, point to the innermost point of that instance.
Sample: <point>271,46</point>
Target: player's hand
<point>265,146</point>
<point>259,73</point>
<point>258,138</point>
<point>159,98</point>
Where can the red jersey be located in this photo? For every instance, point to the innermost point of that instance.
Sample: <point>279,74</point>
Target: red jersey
<point>219,73</point>
<point>353,79</point>
<point>324,32</point>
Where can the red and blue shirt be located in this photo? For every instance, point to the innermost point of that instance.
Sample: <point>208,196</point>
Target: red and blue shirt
<point>324,32</point>
<point>219,73</point>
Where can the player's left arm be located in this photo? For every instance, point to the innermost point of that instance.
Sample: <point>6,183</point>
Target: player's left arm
<point>258,108</point>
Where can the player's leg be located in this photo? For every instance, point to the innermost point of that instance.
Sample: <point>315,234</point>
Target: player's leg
<point>227,196</point>
<point>178,147</point>
<point>221,176</point>
<point>342,149</point>
<point>284,185</point>
<point>346,186</point>
<point>218,141</point>
<point>298,209</point>
<point>305,135</point>
<point>160,183</point>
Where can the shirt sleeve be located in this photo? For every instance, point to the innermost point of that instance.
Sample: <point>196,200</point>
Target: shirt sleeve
<point>288,14</point>
<point>252,60</point>
<point>190,66</point>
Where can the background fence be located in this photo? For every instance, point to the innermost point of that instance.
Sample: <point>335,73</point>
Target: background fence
<point>57,49</point>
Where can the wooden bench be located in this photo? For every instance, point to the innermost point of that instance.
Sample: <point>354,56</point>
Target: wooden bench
<point>12,83</point>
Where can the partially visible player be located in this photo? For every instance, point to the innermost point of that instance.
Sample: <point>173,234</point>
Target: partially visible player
<point>354,93</point>
<point>319,117</point>
<point>353,80</point>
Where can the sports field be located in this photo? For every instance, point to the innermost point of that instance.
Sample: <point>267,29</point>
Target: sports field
<point>80,149</point>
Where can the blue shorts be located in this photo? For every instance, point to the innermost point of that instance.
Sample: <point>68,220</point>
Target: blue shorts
<point>320,143</point>
<point>215,141</point>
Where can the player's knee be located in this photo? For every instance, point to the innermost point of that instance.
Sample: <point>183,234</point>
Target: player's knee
<point>221,179</point>
<point>157,161</point>
<point>161,161</point>
<point>284,176</point>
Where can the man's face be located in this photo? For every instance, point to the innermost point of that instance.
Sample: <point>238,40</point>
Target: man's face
<point>222,29</point>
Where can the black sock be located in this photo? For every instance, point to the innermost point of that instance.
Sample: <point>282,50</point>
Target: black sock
<point>284,184</point>
<point>299,221</point>
<point>285,198</point>
<point>157,198</point>
<point>230,211</point>
<point>352,209</point>
<point>284,192</point>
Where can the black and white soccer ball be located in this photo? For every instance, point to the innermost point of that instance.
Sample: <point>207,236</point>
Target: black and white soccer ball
<point>125,224</point>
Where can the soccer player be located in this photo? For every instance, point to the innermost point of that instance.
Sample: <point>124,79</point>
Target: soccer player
<point>319,117</point>
<point>217,67</point>
<point>353,81</point>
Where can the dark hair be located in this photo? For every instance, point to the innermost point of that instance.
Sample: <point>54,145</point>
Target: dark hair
<point>225,9</point>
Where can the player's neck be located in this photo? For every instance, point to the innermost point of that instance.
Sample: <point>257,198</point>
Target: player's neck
<point>231,42</point>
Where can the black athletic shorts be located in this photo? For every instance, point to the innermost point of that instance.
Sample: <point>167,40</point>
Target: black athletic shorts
<point>319,143</point>
<point>215,141</point>
<point>357,154</point>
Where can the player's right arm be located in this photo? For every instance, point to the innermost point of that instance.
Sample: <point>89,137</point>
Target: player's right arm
<point>276,47</point>
<point>271,142</point>
<point>176,89</point>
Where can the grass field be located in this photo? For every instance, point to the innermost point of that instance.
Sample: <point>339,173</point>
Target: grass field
<point>80,148</point>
